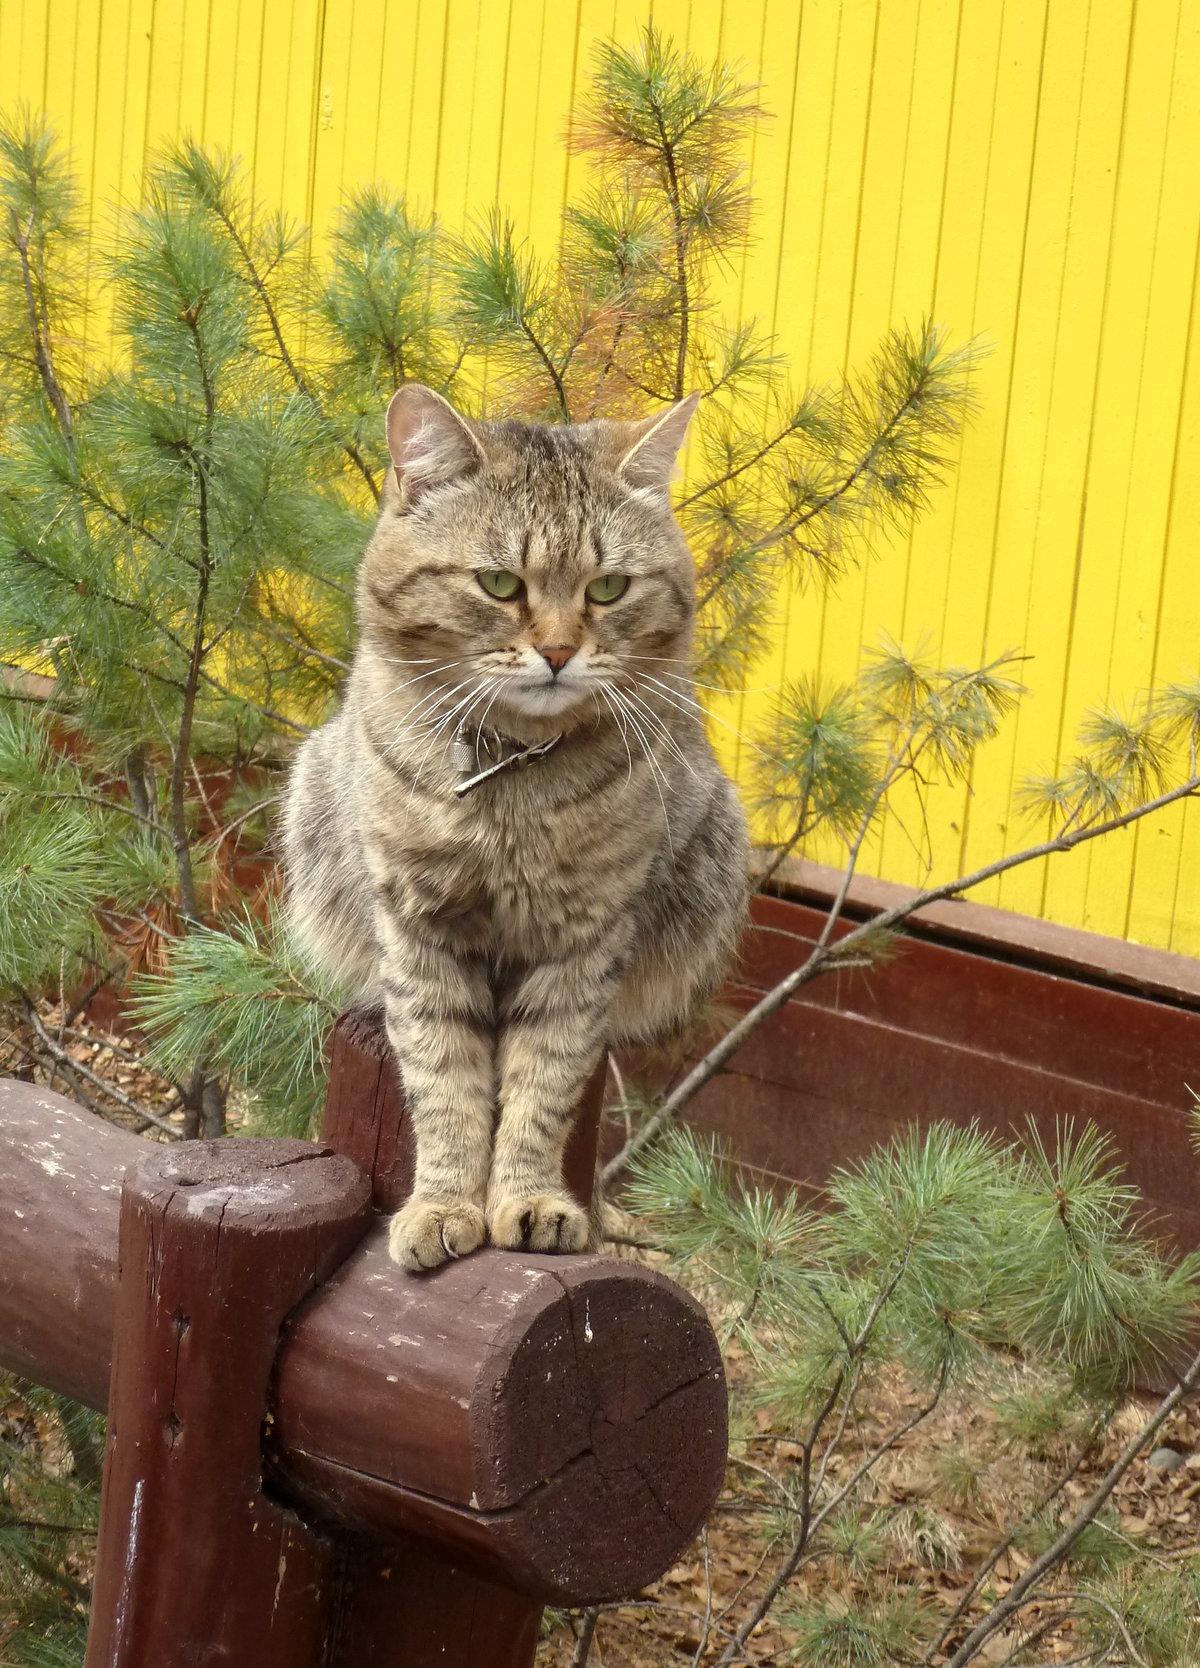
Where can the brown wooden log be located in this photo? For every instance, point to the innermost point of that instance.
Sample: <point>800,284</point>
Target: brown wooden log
<point>563,1418</point>
<point>403,1608</point>
<point>194,1563</point>
<point>558,1423</point>
<point>442,1614</point>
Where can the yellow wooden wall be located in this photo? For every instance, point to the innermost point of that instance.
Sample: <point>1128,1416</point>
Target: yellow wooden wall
<point>1024,169</point>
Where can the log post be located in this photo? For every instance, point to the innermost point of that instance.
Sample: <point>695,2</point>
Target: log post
<point>507,1431</point>
<point>365,1117</point>
<point>428,1613</point>
<point>194,1563</point>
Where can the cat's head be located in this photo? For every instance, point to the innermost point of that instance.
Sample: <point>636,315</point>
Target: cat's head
<point>531,563</point>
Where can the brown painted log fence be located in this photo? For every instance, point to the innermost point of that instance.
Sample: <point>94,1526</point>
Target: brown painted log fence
<point>314,1458</point>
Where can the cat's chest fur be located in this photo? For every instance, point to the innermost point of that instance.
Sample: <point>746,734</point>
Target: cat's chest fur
<point>524,865</point>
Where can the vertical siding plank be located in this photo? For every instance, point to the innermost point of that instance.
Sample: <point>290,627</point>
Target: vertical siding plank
<point>367,28</point>
<point>1139,651</point>
<point>32,52</point>
<point>1121,358</point>
<point>425,112</point>
<point>58,82</point>
<point>832,311</point>
<point>769,175</point>
<point>903,590</point>
<point>12,89</point>
<point>242,132</point>
<point>546,183</point>
<point>1010,624</point>
<point>224,20</point>
<point>333,97</point>
<point>994,308</point>
<point>454,136</point>
<point>794,307</point>
<point>163,79</point>
<point>485,90</point>
<point>1063,456</point>
<point>876,221</point>
<point>394,93</point>
<point>283,130</point>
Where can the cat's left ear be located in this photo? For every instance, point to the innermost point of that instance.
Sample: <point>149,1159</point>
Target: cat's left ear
<point>649,461</point>
<point>430,445</point>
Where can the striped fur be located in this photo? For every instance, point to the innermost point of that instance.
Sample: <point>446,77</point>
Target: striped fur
<point>590,899</point>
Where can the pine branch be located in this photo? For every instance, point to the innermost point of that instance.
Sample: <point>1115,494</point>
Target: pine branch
<point>301,382</point>
<point>1002,1545</point>
<point>182,752</point>
<point>766,1602</point>
<point>62,796</point>
<point>823,956</point>
<point>1054,1554</point>
<point>681,274</point>
<point>730,475</point>
<point>41,346</point>
<point>555,375</point>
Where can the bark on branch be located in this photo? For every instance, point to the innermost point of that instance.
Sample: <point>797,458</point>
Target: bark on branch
<point>824,956</point>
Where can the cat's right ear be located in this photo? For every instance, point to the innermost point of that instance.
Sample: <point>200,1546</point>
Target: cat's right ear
<point>429,442</point>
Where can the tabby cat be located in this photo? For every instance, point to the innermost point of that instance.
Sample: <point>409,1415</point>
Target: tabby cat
<point>515,832</point>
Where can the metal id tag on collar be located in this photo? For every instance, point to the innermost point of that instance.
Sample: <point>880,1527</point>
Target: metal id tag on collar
<point>501,753</point>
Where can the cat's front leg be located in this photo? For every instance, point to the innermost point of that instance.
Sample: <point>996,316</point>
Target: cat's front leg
<point>440,1023</point>
<point>553,1028</point>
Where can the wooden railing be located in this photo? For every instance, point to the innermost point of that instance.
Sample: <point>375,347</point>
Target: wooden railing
<point>314,1458</point>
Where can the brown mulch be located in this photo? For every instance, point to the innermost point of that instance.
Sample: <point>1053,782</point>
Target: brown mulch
<point>110,1051</point>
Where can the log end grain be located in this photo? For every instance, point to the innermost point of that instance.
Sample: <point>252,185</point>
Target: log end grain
<point>563,1420</point>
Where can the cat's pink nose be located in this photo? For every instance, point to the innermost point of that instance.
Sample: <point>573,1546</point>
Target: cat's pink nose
<point>556,655</point>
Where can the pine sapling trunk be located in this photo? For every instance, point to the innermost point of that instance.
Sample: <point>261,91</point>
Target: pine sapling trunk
<point>204,1097</point>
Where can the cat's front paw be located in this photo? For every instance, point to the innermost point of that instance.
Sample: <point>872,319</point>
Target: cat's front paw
<point>427,1232</point>
<point>538,1222</point>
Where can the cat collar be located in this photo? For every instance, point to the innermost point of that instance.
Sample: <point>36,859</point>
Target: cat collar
<point>502,752</point>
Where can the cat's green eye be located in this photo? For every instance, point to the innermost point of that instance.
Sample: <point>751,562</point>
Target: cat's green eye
<point>497,583</point>
<point>608,587</point>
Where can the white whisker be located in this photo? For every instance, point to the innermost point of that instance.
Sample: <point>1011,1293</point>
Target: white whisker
<point>655,768</point>
<point>621,727</point>
<point>462,706</point>
<point>499,685</point>
<point>674,696</point>
<point>655,720</point>
<point>446,666</point>
<point>686,677</point>
<point>414,723</point>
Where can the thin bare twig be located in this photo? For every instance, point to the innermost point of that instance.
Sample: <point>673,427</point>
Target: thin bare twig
<point>1003,1545</point>
<point>824,956</point>
<point>1057,1551</point>
<point>583,1642</point>
<point>706,1625</point>
<point>226,829</point>
<point>808,1528</point>
<point>1114,1616</point>
<point>70,1064</point>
